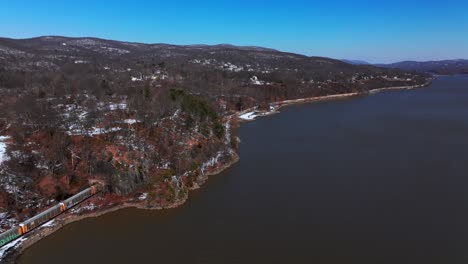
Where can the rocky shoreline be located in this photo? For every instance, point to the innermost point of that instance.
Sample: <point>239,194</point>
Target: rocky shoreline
<point>68,218</point>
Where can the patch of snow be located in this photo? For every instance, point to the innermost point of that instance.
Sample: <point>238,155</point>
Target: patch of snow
<point>121,106</point>
<point>3,155</point>
<point>79,209</point>
<point>231,67</point>
<point>49,224</point>
<point>119,51</point>
<point>92,132</point>
<point>73,110</point>
<point>204,62</point>
<point>9,185</point>
<point>90,207</point>
<point>12,244</point>
<point>42,166</point>
<point>176,114</point>
<point>211,162</point>
<point>248,116</point>
<point>9,51</point>
<point>143,197</point>
<point>165,165</point>
<point>99,131</point>
<point>6,221</point>
<point>64,44</point>
<point>82,115</point>
<point>87,42</point>
<point>254,80</point>
<point>227,128</point>
<point>80,62</point>
<point>130,121</point>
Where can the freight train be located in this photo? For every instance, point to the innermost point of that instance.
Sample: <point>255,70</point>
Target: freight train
<point>28,225</point>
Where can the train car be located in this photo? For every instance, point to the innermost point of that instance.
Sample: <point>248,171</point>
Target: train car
<point>79,197</point>
<point>41,218</point>
<point>36,221</point>
<point>10,235</point>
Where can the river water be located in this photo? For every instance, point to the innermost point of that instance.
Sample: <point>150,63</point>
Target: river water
<point>374,179</point>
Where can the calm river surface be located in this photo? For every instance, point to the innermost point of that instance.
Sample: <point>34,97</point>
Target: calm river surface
<point>376,179</point>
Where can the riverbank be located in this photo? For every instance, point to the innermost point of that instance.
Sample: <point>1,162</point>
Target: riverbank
<point>68,218</point>
<point>252,113</point>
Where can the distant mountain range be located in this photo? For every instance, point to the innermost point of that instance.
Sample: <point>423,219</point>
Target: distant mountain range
<point>459,66</point>
<point>201,67</point>
<point>52,52</point>
<point>356,62</point>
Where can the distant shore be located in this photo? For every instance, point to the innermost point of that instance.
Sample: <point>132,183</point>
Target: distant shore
<point>259,113</point>
<point>338,96</point>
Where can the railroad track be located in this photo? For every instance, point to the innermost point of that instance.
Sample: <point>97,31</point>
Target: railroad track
<point>36,221</point>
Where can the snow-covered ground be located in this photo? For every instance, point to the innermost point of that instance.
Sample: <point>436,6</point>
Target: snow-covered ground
<point>254,80</point>
<point>76,115</point>
<point>49,224</point>
<point>248,116</point>
<point>17,242</point>
<point>115,50</point>
<point>6,221</point>
<point>211,162</point>
<point>227,129</point>
<point>130,121</point>
<point>205,62</point>
<point>158,75</point>
<point>12,244</point>
<point>79,209</point>
<point>121,106</point>
<point>143,197</point>
<point>231,67</point>
<point>93,131</point>
<point>251,115</point>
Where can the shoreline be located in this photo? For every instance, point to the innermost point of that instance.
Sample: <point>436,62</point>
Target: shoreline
<point>345,95</point>
<point>259,113</point>
<point>68,218</point>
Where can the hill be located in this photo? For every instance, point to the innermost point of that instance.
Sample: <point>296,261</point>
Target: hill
<point>443,67</point>
<point>144,120</point>
<point>356,62</point>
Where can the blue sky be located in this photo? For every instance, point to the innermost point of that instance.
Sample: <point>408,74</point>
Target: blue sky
<point>376,31</point>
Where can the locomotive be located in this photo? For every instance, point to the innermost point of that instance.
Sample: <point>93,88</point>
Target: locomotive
<point>28,225</point>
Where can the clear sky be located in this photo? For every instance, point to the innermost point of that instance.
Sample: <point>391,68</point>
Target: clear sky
<point>376,31</point>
